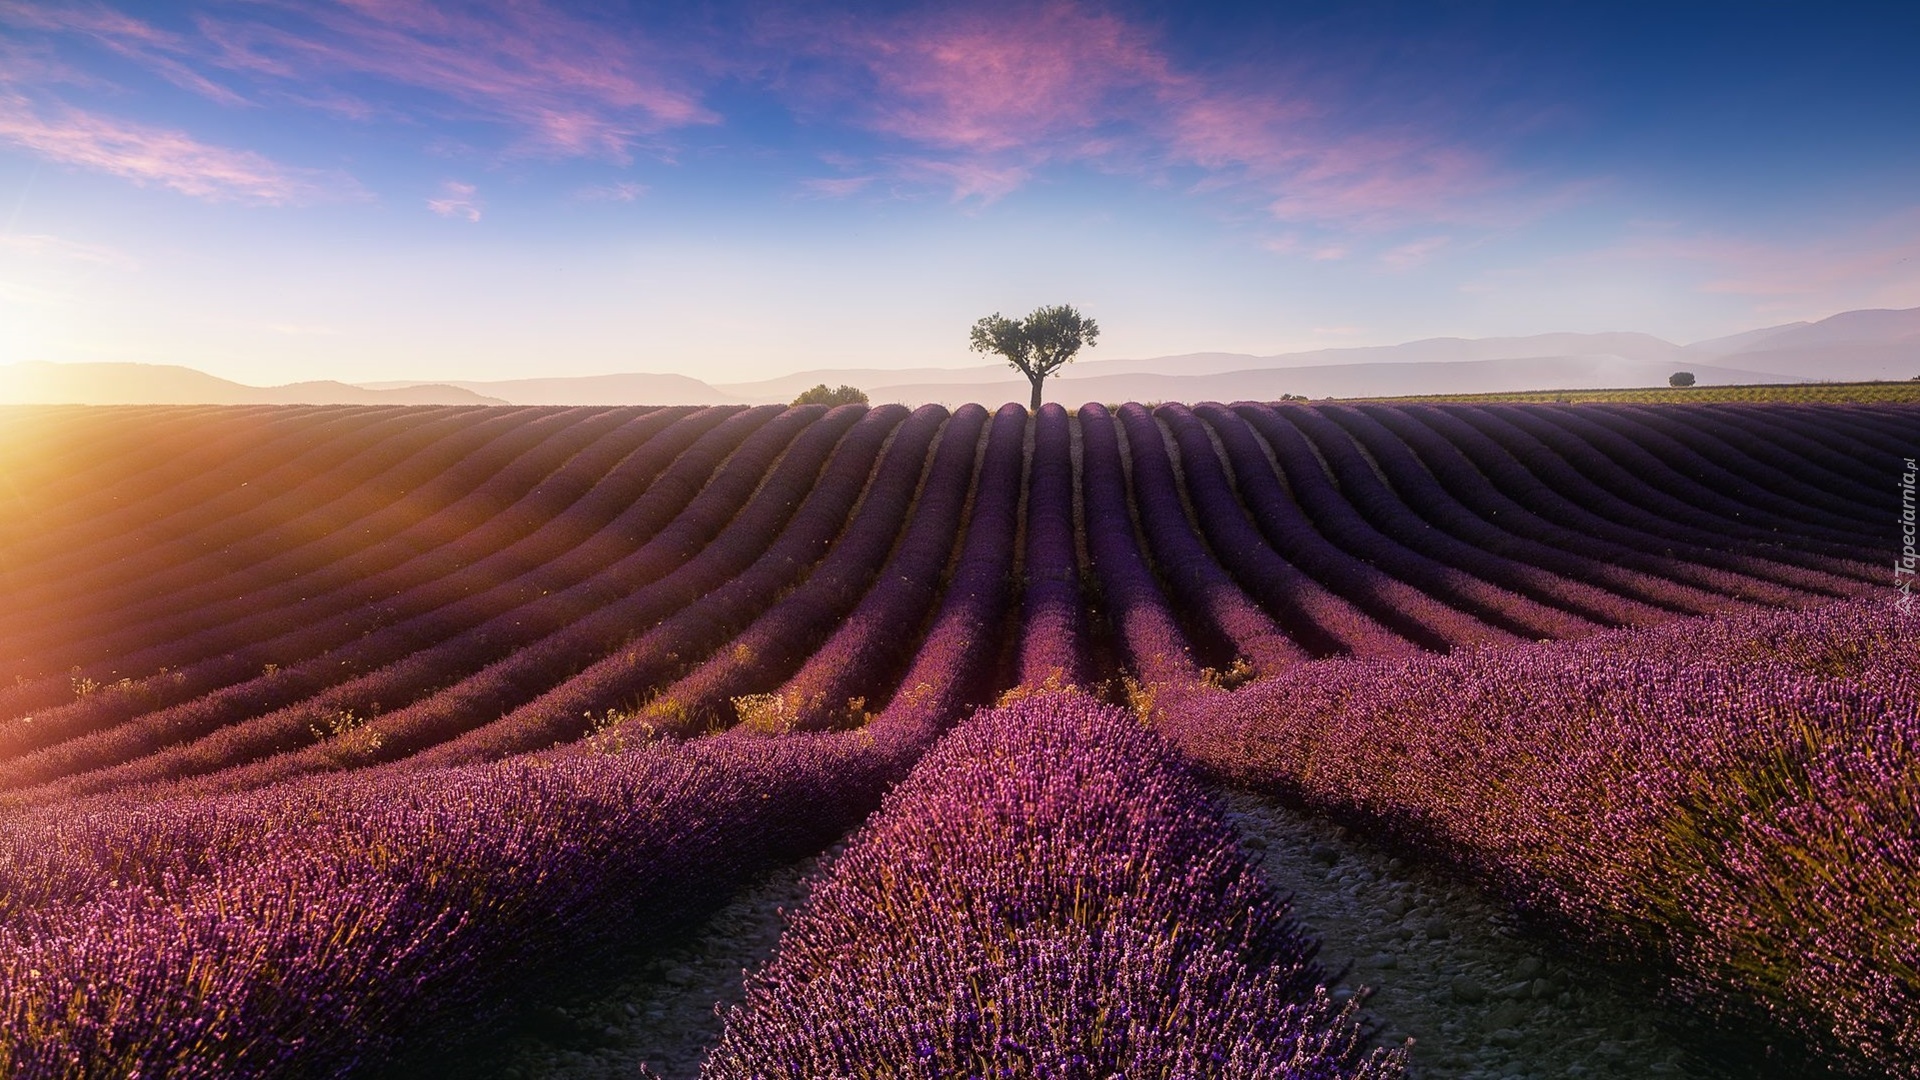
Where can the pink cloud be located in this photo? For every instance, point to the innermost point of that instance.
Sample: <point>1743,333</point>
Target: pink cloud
<point>157,49</point>
<point>1411,254</point>
<point>966,179</point>
<point>573,88</point>
<point>457,199</point>
<point>1001,92</point>
<point>171,159</point>
<point>988,80</point>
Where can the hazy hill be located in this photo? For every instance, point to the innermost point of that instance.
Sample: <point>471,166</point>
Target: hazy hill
<point>1343,380</point>
<point>1734,343</point>
<point>628,389</point>
<point>1868,344</point>
<point>41,383</point>
<point>1850,346</point>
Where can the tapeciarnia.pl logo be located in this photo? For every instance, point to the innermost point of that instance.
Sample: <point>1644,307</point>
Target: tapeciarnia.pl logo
<point>1903,570</point>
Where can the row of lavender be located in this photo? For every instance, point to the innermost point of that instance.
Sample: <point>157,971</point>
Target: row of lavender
<point>1736,799</point>
<point>1048,894</point>
<point>955,665</point>
<point>662,600</point>
<point>333,925</point>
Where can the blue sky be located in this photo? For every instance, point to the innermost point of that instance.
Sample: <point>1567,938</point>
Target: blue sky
<point>392,189</point>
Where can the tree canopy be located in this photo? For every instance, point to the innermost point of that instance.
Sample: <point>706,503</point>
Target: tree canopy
<point>1680,378</point>
<point>1038,345</point>
<point>840,395</point>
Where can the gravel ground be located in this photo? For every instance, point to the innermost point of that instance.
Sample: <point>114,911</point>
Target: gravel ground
<point>1481,1000</point>
<point>1450,969</point>
<point>665,1014</point>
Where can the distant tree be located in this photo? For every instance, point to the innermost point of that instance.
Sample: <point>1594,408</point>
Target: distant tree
<point>1038,345</point>
<point>841,395</point>
<point>1680,378</point>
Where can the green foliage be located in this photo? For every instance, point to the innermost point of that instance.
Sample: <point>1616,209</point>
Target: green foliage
<point>839,395</point>
<point>1680,378</point>
<point>1038,345</point>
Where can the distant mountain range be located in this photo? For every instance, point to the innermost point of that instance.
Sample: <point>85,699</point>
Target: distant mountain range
<point>1851,346</point>
<point>41,383</point>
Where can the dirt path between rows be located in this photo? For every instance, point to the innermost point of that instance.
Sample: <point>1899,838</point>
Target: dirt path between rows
<point>1481,1000</point>
<point>1452,970</point>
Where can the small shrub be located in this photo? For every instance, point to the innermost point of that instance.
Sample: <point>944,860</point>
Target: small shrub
<point>839,395</point>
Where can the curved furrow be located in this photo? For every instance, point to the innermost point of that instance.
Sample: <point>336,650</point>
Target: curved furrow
<point>685,615</point>
<point>1770,452</point>
<point>437,704</point>
<point>490,625</point>
<point>61,461</point>
<point>134,571</point>
<point>1889,429</point>
<point>212,507</point>
<point>1452,494</point>
<point>1346,606</point>
<point>1155,646</point>
<point>359,917</point>
<point>1391,511</point>
<point>1484,614</point>
<point>954,667</point>
<point>1053,621</point>
<point>1841,450</point>
<point>474,514</point>
<point>1641,479</point>
<point>421,570</point>
<point>197,459</point>
<point>1194,577</point>
<point>778,641</point>
<point>1563,494</point>
<point>1724,471</point>
<point>230,572</point>
<point>857,669</point>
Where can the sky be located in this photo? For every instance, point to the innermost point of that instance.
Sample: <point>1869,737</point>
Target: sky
<point>273,191</point>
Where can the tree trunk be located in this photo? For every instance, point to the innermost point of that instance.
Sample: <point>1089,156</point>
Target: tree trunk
<point>1035,380</point>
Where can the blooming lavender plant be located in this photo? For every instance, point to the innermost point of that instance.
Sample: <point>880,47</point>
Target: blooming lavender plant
<point>1731,798</point>
<point>1048,894</point>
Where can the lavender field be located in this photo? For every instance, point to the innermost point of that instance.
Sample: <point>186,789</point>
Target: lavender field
<point>330,736</point>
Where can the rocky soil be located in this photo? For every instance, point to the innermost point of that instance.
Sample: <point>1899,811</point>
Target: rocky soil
<point>667,1011</point>
<point>1451,970</point>
<point>1480,999</point>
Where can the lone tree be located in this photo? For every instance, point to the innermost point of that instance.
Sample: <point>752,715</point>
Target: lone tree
<point>1680,378</point>
<point>841,395</point>
<point>1039,344</point>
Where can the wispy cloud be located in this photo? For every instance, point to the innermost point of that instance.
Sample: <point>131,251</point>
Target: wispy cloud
<point>569,86</point>
<point>618,191</point>
<point>1293,244</point>
<point>1411,254</point>
<point>171,159</point>
<point>966,179</point>
<point>456,199</point>
<point>161,51</point>
<point>1777,279</point>
<point>836,187</point>
<point>1876,262</point>
<point>42,246</point>
<point>991,95</point>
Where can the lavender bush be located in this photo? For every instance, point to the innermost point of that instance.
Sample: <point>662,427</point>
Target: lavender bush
<point>1732,798</point>
<point>1048,894</point>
